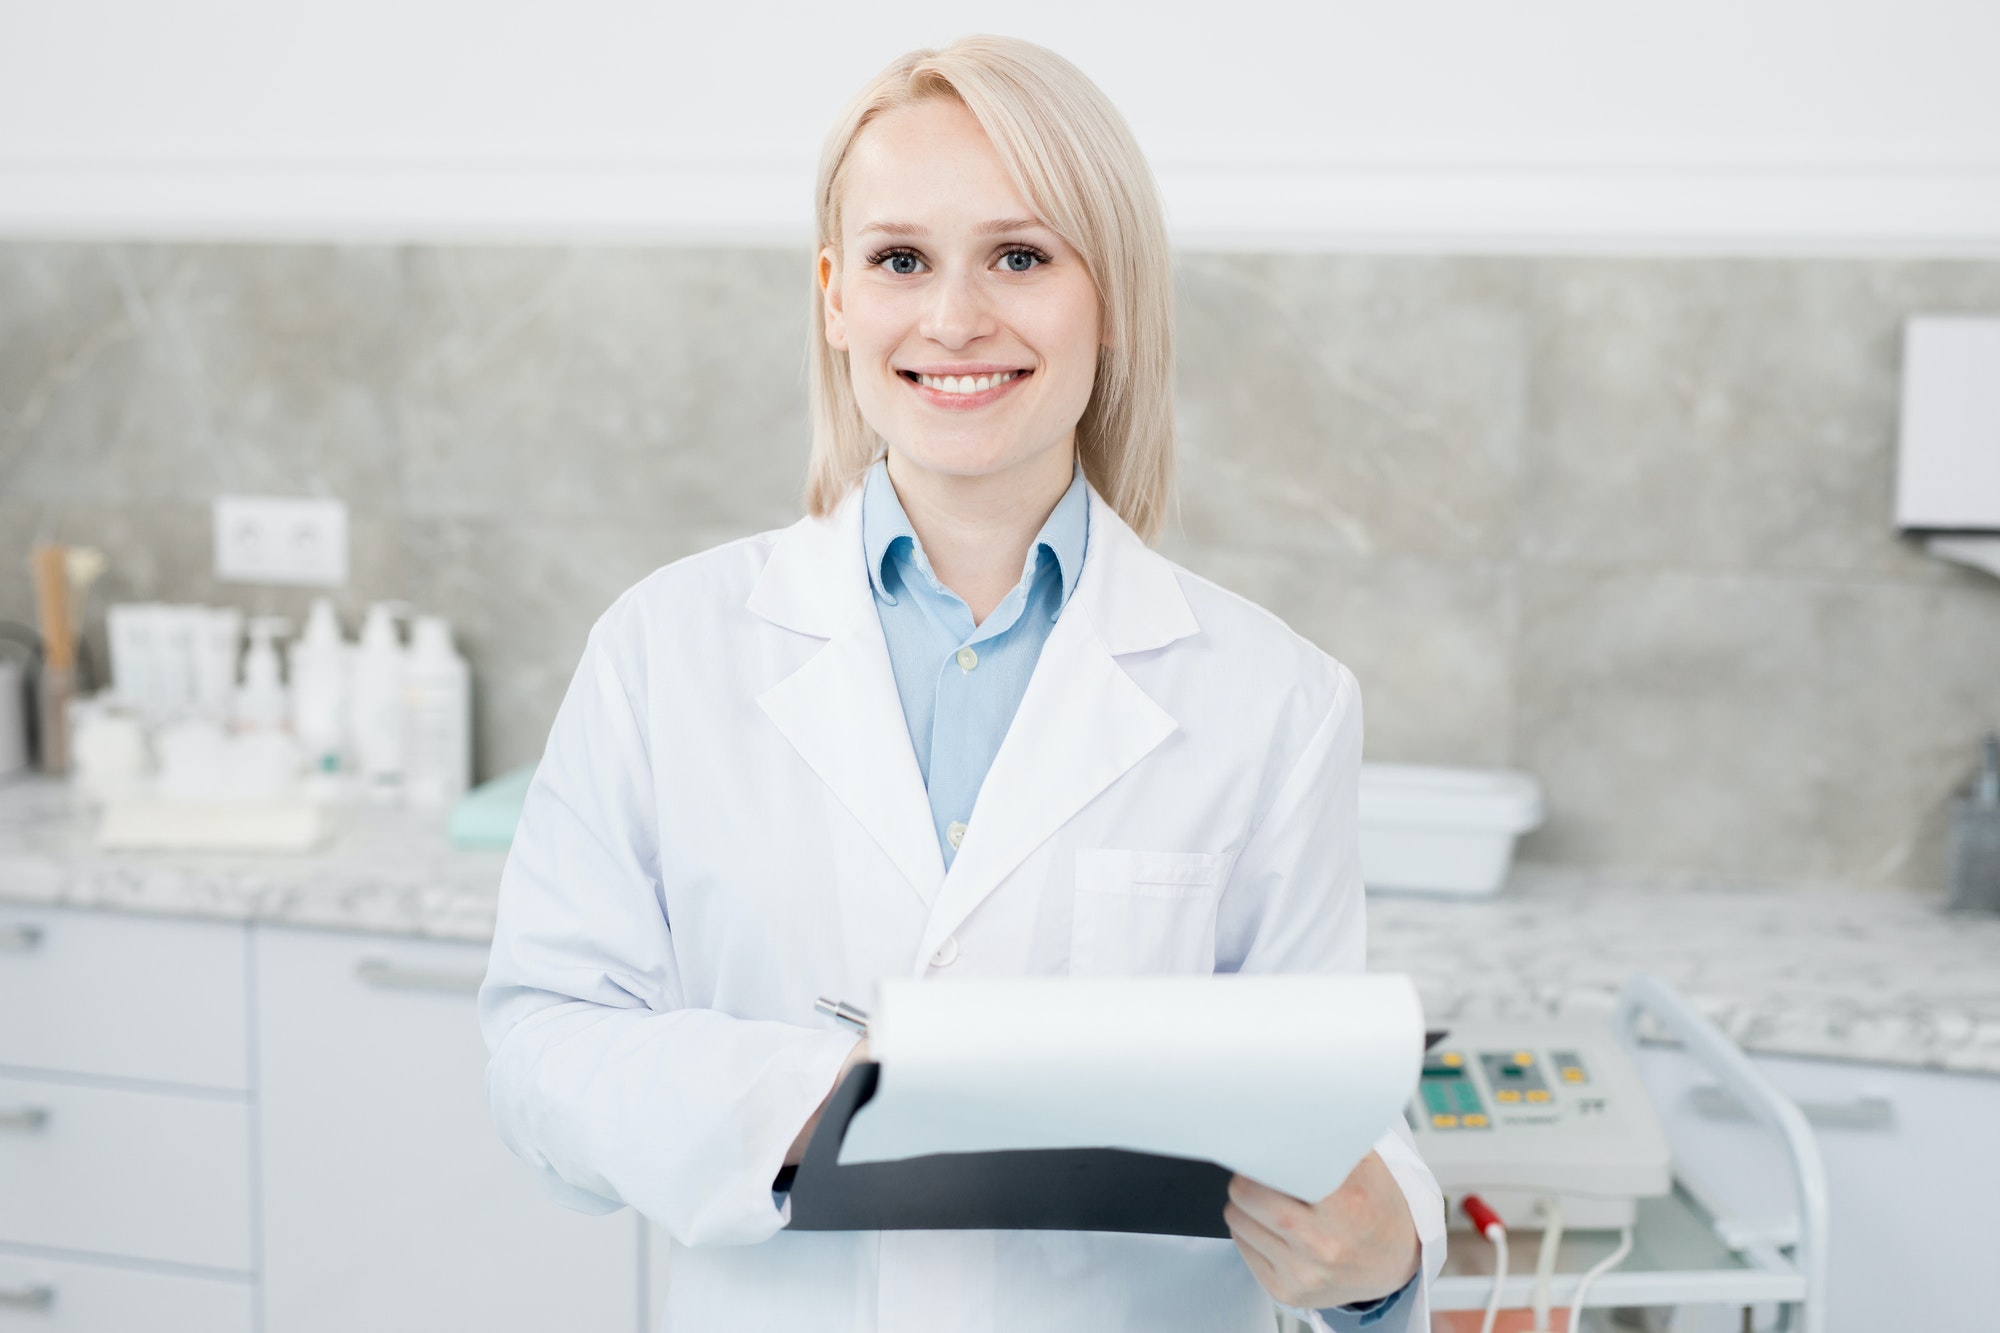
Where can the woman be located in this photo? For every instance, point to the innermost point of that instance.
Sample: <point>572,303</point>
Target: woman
<point>958,721</point>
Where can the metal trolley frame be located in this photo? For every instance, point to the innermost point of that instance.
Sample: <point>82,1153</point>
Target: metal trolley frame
<point>1686,1250</point>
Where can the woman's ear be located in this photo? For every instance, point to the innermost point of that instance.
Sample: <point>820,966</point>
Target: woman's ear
<point>829,289</point>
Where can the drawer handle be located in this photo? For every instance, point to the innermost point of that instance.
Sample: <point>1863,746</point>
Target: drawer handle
<point>38,1297</point>
<point>20,939</point>
<point>385,975</point>
<point>1868,1111</point>
<point>26,1119</point>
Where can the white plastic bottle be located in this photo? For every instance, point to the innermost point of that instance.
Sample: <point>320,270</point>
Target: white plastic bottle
<point>377,713</point>
<point>319,689</point>
<point>437,717</point>
<point>260,703</point>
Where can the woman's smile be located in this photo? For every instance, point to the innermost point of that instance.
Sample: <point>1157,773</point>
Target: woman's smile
<point>966,391</point>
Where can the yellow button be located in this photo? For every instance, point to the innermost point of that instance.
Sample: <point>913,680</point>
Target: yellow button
<point>1444,1121</point>
<point>1537,1095</point>
<point>1454,1059</point>
<point>1523,1058</point>
<point>1507,1095</point>
<point>954,833</point>
<point>967,659</point>
<point>1573,1074</point>
<point>1475,1121</point>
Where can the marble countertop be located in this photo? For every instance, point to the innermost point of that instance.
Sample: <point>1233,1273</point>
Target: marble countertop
<point>1878,976</point>
<point>1872,976</point>
<point>385,870</point>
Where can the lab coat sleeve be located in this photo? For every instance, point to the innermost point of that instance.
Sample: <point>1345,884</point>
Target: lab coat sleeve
<point>600,1077</point>
<point>1294,903</point>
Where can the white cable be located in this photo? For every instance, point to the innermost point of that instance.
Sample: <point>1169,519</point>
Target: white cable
<point>1498,1235</point>
<point>1598,1270</point>
<point>1545,1258</point>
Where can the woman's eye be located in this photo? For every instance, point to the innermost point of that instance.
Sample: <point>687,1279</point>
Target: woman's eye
<point>1020,261</point>
<point>900,262</point>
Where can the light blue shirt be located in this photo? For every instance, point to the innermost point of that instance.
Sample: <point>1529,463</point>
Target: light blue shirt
<point>961,684</point>
<point>1373,1315</point>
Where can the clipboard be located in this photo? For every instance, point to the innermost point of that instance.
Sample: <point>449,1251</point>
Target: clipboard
<point>1040,1189</point>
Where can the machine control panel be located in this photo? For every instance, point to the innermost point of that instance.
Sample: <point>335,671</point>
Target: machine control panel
<point>1512,1110</point>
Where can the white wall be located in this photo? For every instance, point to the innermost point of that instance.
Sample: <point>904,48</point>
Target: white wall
<point>1732,125</point>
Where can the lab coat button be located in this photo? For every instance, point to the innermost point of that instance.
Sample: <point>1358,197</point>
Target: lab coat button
<point>947,953</point>
<point>954,833</point>
<point>967,659</point>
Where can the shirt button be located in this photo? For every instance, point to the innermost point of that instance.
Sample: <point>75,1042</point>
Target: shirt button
<point>947,953</point>
<point>967,659</point>
<point>954,833</point>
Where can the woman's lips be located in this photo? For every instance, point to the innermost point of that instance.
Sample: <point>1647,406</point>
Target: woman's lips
<point>961,401</point>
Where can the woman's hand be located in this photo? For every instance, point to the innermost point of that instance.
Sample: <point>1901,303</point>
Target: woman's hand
<point>1357,1244</point>
<point>797,1152</point>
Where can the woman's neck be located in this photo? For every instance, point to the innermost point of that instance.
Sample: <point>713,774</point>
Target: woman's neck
<point>976,531</point>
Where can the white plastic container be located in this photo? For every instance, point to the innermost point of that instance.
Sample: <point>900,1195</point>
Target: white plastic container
<point>261,703</point>
<point>377,716</point>
<point>1443,830</point>
<point>212,634</point>
<point>318,659</point>
<point>437,717</point>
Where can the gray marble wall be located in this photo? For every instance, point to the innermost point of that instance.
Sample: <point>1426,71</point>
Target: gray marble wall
<point>1620,522</point>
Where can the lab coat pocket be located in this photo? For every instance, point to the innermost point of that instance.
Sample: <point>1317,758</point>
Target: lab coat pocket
<point>1144,912</point>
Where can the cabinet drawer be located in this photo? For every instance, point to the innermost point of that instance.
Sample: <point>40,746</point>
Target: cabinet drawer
<point>124,996</point>
<point>43,1296</point>
<point>389,1203</point>
<point>138,1174</point>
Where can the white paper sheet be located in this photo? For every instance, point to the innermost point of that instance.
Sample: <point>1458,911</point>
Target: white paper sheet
<point>1286,1079</point>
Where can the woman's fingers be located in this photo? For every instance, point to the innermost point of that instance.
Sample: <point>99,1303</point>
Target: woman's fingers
<point>1260,1267</point>
<point>1279,1212</point>
<point>1255,1235</point>
<point>1273,1263</point>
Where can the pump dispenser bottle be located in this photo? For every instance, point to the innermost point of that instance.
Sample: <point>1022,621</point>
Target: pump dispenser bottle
<point>260,703</point>
<point>319,689</point>
<point>437,717</point>
<point>378,702</point>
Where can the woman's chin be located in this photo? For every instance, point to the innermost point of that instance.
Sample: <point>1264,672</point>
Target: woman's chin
<point>975,458</point>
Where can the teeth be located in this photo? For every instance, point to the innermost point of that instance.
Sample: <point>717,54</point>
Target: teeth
<point>965,383</point>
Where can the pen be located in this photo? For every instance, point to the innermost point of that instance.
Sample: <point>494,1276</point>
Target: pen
<point>840,1011</point>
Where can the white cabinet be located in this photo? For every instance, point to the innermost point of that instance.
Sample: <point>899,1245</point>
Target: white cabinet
<point>1911,1171</point>
<point>389,1202</point>
<point>111,1171</point>
<point>653,1291</point>
<point>128,997</point>
<point>39,1295</point>
<point>126,1197</point>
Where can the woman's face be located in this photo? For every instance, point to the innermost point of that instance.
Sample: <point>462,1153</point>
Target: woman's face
<point>944,282</point>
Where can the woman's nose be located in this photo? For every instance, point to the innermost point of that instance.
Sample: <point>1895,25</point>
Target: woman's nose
<point>957,312</point>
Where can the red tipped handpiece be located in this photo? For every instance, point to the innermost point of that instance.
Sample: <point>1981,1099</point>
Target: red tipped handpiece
<point>1482,1216</point>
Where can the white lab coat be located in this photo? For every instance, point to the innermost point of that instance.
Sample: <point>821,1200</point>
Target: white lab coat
<point>729,821</point>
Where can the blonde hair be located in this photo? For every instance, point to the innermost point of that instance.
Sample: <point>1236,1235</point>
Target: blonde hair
<point>1070,154</point>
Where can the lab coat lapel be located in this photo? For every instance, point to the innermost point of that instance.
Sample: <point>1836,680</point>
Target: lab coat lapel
<point>840,710</point>
<point>1082,723</point>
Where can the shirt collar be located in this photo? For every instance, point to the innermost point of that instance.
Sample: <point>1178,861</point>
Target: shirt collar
<point>1065,534</point>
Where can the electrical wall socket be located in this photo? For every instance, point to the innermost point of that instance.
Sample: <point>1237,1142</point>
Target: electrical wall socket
<point>261,539</point>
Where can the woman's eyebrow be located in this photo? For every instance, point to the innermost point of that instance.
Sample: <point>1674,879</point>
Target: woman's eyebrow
<point>995,227</point>
<point>1009,224</point>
